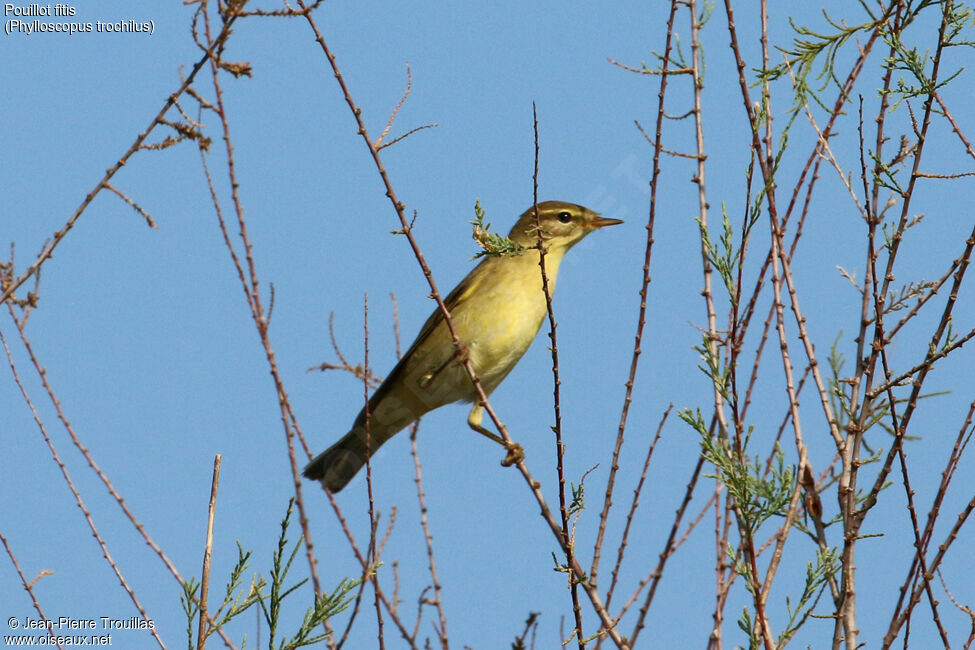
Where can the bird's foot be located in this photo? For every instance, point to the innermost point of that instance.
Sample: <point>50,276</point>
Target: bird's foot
<point>515,455</point>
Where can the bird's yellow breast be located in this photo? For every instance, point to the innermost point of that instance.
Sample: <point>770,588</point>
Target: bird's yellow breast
<point>504,312</point>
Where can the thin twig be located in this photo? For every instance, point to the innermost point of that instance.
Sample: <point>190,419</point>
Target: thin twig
<point>251,288</point>
<point>29,586</point>
<point>202,633</point>
<point>428,538</point>
<point>634,504</point>
<point>135,206</point>
<point>482,399</point>
<point>59,235</point>
<point>70,483</point>
<point>568,542</point>
<point>641,313</point>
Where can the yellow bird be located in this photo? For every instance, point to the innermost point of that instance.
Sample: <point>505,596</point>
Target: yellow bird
<point>497,311</point>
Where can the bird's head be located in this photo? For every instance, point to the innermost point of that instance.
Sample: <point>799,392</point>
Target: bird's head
<point>561,225</point>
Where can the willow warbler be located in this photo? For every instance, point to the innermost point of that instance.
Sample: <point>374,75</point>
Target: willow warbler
<point>497,310</point>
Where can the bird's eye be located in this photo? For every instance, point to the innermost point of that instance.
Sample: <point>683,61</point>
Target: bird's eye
<point>564,217</point>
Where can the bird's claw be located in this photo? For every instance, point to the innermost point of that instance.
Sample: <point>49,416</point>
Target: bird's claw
<point>515,455</point>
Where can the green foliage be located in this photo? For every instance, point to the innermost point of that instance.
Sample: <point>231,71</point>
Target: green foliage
<point>559,567</point>
<point>877,411</point>
<point>678,60</point>
<point>714,367</point>
<point>707,9</point>
<point>578,503</point>
<point>950,337</point>
<point>898,300</point>
<point>323,608</point>
<point>757,496</point>
<point>492,244</point>
<point>958,16</point>
<point>891,231</point>
<point>818,575</point>
<point>909,60</point>
<point>916,82</point>
<point>847,409</point>
<point>813,53</point>
<point>724,258</point>
<point>563,567</point>
<point>236,600</point>
<point>884,174</point>
<point>746,624</point>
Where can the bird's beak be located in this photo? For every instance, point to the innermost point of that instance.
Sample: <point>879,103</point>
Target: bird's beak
<point>599,222</point>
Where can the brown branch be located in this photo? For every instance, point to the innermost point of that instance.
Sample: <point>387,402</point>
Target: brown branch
<point>663,72</point>
<point>69,482</point>
<point>568,541</point>
<point>533,485</point>
<point>135,206</point>
<point>373,552</point>
<point>379,145</point>
<point>28,586</point>
<point>250,286</point>
<point>76,441</point>
<point>634,504</point>
<point>642,312</point>
<point>202,632</point>
<point>408,134</point>
<point>59,235</point>
<point>669,547</point>
<point>854,517</point>
<point>934,565</point>
<point>428,538</point>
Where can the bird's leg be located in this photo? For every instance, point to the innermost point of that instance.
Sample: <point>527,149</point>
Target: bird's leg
<point>515,451</point>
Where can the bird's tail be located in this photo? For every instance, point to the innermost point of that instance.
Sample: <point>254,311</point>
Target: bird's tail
<point>390,411</point>
<point>336,466</point>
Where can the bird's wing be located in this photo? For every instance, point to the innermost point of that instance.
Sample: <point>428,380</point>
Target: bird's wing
<point>416,354</point>
<point>461,293</point>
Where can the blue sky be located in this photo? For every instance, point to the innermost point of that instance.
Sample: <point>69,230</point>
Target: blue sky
<point>147,341</point>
